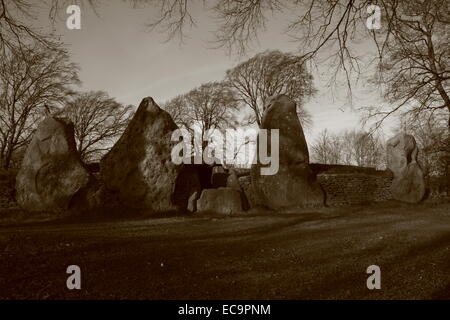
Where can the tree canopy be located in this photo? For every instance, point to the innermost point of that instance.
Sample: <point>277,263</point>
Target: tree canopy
<point>270,73</point>
<point>31,85</point>
<point>98,122</point>
<point>209,106</point>
<point>351,147</point>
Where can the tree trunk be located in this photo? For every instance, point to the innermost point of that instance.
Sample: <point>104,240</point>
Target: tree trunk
<point>447,157</point>
<point>7,159</point>
<point>449,120</point>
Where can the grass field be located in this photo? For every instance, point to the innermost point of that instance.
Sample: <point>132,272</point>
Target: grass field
<point>320,254</point>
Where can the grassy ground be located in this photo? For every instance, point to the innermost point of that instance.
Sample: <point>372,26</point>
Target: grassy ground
<point>311,255</point>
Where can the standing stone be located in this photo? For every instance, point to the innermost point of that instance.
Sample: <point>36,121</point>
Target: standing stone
<point>294,184</point>
<point>192,202</point>
<point>233,180</point>
<point>251,197</point>
<point>52,172</point>
<point>408,184</point>
<point>221,201</point>
<point>233,183</point>
<point>139,168</point>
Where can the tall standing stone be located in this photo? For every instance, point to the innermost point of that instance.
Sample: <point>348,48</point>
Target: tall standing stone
<point>408,184</point>
<point>51,173</point>
<point>294,184</point>
<point>139,168</point>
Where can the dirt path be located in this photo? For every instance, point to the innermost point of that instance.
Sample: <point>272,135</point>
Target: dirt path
<point>319,255</point>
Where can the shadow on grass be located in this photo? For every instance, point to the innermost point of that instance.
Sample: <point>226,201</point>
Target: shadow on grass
<point>17,217</point>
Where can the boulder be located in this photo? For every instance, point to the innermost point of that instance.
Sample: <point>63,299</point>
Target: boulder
<point>51,173</point>
<point>222,201</point>
<point>139,168</point>
<point>408,184</point>
<point>294,185</point>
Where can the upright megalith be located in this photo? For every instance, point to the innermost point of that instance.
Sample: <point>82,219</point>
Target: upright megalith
<point>408,184</point>
<point>51,173</point>
<point>139,169</point>
<point>294,184</point>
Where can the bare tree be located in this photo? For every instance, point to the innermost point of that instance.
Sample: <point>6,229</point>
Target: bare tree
<point>349,148</point>
<point>17,29</point>
<point>180,111</point>
<point>326,149</point>
<point>204,110</point>
<point>270,73</point>
<point>98,122</point>
<point>412,41</point>
<point>414,68</point>
<point>430,131</point>
<point>15,32</point>
<point>363,149</point>
<point>31,85</point>
<point>210,106</point>
<point>317,24</point>
<point>240,22</point>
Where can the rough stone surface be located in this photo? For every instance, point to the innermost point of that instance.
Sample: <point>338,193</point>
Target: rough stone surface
<point>294,185</point>
<point>222,201</point>
<point>343,189</point>
<point>233,180</point>
<point>408,184</point>
<point>192,202</point>
<point>250,195</point>
<point>139,168</point>
<point>233,183</point>
<point>52,172</point>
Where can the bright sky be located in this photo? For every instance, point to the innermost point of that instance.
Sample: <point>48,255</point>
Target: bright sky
<point>117,55</point>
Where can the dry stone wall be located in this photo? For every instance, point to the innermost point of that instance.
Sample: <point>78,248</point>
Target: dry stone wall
<point>342,185</point>
<point>351,185</point>
<point>354,188</point>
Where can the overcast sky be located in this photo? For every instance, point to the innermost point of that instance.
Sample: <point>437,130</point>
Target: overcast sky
<point>117,55</point>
